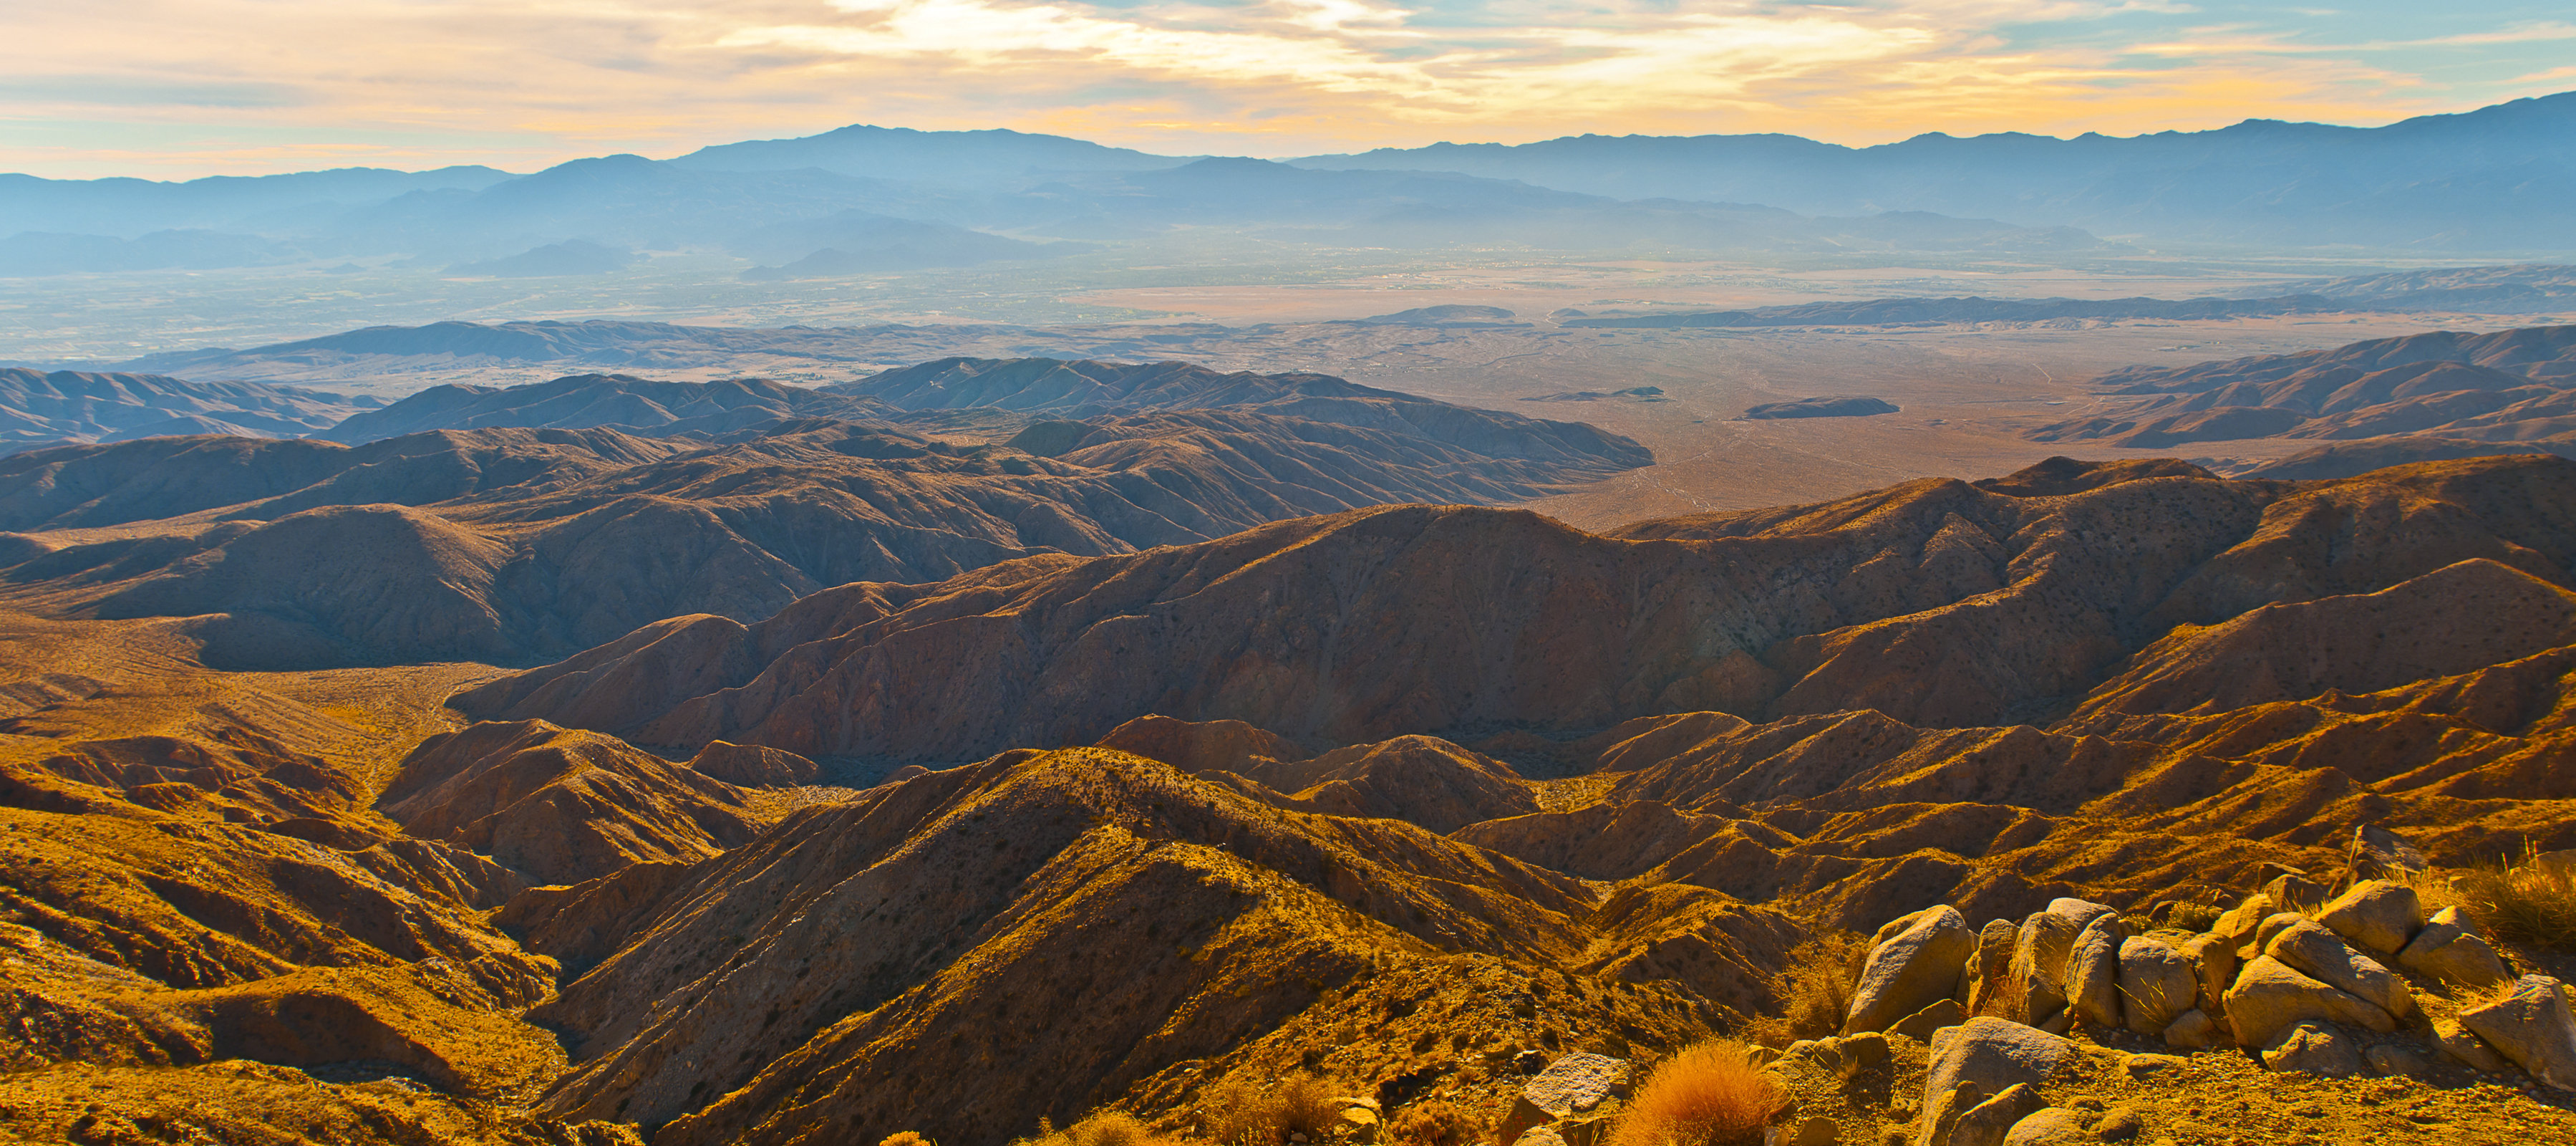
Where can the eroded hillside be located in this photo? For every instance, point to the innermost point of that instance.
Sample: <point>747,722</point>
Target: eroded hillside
<point>1415,800</point>
<point>474,537</point>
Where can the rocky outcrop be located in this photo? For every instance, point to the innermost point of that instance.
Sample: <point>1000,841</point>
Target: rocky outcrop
<point>1978,1063</point>
<point>2322,955</point>
<point>2447,950</point>
<point>2531,1026</point>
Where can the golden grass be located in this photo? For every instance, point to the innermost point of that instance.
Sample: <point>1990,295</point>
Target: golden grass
<point>1710,1094</point>
<point>2525,902</point>
<point>1814,990</point>
<point>1234,1113</point>
<point>1098,1128</point>
<point>906,1138</point>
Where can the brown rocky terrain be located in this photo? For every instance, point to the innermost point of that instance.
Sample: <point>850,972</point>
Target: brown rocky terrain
<point>1413,800</point>
<point>2506,386</point>
<point>621,401</point>
<point>40,408</point>
<point>1938,603</point>
<point>510,544</point>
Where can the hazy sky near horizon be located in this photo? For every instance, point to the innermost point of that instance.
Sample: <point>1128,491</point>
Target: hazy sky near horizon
<point>180,88</point>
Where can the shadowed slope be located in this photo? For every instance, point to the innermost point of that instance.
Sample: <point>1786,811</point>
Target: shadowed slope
<point>1936,602</point>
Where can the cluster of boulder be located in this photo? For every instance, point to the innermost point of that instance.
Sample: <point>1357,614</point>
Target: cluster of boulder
<point>2288,974</point>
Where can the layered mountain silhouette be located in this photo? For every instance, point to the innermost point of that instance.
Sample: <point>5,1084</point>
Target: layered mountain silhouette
<point>2501,172</point>
<point>623,402</point>
<point>38,408</point>
<point>1914,311</point>
<point>2504,386</point>
<point>871,200</point>
<point>448,531</point>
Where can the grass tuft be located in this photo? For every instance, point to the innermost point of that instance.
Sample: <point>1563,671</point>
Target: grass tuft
<point>2525,902</point>
<point>1814,991</point>
<point>1234,1113</point>
<point>1710,1094</point>
<point>1098,1128</point>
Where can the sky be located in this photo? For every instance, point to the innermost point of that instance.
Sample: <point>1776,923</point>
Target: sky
<point>172,89</point>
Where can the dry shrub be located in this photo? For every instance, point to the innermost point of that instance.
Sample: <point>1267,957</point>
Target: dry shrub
<point>1814,991</point>
<point>906,1138</point>
<point>2194,916</point>
<point>1306,1105</point>
<point>2525,902</point>
<point>1098,1128</point>
<point>2009,999</point>
<point>1710,1094</point>
<point>1435,1122</point>
<point>1234,1113</point>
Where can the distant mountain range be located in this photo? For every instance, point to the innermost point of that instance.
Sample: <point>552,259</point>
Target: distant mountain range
<point>2494,180</point>
<point>2499,178</point>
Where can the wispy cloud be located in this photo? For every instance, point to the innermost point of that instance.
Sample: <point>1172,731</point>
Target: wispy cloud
<point>248,84</point>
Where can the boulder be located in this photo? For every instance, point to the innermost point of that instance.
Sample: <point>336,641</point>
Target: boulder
<point>2140,1067</point>
<point>2093,972</point>
<point>1991,1055</point>
<point>1986,1123</point>
<point>2447,950</point>
<point>2531,1026</point>
<point>2079,911</point>
<point>2193,1030</point>
<point>1941,1114</point>
<point>2377,853</point>
<point>1911,970</point>
<point>2157,984</point>
<point>2213,963</point>
<point>2119,1124</point>
<point>2237,923</point>
<point>1539,1136</point>
<point>1813,1131</point>
<point>2295,893</point>
<point>2314,1048</point>
<point>1571,1085</point>
<point>1576,1083</point>
<point>1895,927</point>
<point>2457,1044</point>
<point>2398,1060</point>
<point>2039,964</point>
<point>1989,969</point>
<point>2051,1126</point>
<point>2269,998</point>
<point>1920,1025</point>
<point>2324,956</point>
<point>2375,915</point>
<point>2272,925</point>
